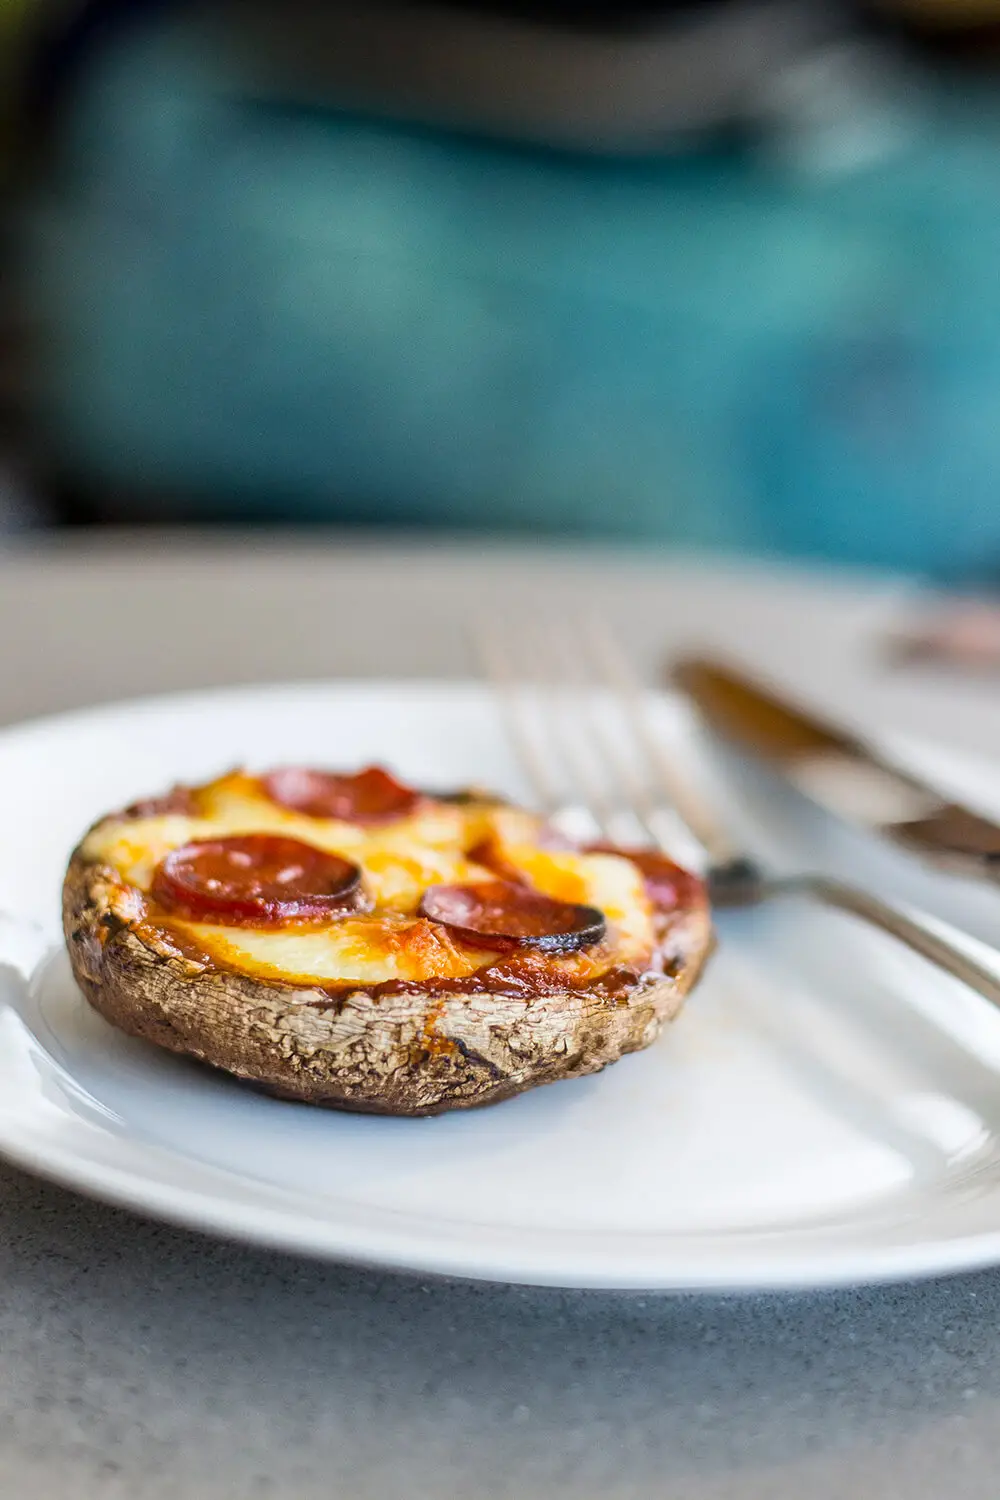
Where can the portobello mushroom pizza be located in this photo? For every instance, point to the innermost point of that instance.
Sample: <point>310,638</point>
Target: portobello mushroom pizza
<point>350,941</point>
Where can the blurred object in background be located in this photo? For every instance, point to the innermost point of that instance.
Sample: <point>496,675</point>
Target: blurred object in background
<point>592,77</point>
<point>950,636</point>
<point>18,28</point>
<point>25,26</point>
<point>19,507</point>
<point>969,27</point>
<point>326,263</point>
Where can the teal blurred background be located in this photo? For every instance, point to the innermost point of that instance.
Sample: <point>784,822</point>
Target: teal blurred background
<point>782,336</point>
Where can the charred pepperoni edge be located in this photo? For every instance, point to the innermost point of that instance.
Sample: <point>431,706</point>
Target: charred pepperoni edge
<point>252,909</point>
<point>467,796</point>
<point>671,888</point>
<point>334,784</point>
<point>180,799</point>
<point>573,926</point>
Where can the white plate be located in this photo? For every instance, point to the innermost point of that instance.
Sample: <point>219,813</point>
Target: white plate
<point>827,1109</point>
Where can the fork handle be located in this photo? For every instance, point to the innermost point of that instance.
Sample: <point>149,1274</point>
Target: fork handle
<point>937,950</point>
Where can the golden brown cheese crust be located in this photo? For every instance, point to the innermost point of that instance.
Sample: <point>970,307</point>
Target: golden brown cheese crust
<point>475,1028</point>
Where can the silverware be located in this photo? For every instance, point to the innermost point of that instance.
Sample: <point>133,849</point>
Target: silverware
<point>842,772</point>
<point>579,722</point>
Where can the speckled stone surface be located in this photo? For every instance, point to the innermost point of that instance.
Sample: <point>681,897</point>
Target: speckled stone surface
<point>139,1361</point>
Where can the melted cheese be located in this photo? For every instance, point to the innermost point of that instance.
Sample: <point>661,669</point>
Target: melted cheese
<point>399,861</point>
<point>238,804</point>
<point>363,950</point>
<point>135,847</point>
<point>398,878</point>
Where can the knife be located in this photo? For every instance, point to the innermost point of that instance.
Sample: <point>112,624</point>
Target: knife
<point>841,771</point>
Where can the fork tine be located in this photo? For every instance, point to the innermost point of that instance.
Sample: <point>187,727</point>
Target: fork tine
<point>593,712</point>
<point>565,698</point>
<point>499,667</point>
<point>569,704</point>
<point>625,804</point>
<point>685,800</point>
<point>568,741</point>
<point>523,666</point>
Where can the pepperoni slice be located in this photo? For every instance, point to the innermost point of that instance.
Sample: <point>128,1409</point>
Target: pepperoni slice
<point>256,880</point>
<point>499,914</point>
<point>668,886</point>
<point>371,796</point>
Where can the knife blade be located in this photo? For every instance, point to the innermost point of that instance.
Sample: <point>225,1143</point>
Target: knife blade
<point>843,772</point>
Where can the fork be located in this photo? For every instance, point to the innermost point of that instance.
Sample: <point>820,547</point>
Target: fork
<point>578,720</point>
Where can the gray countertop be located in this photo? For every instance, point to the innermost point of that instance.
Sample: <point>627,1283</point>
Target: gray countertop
<point>138,1360</point>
